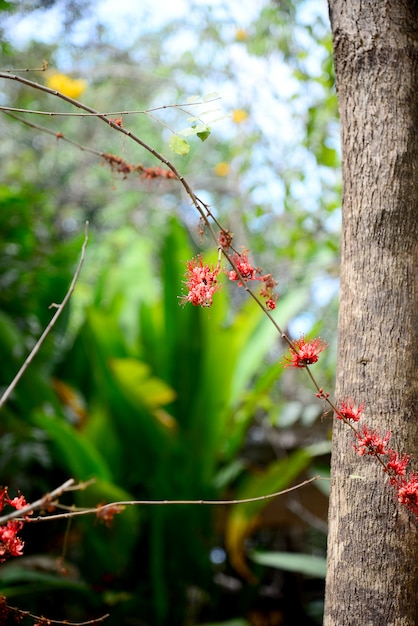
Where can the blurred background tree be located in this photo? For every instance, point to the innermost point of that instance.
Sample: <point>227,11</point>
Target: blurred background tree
<point>154,400</point>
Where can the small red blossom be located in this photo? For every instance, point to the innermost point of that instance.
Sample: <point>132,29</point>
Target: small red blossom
<point>349,411</point>
<point>371,442</point>
<point>324,395</point>
<point>10,543</point>
<point>18,502</point>
<point>408,493</point>
<point>306,352</point>
<point>106,513</point>
<point>396,466</point>
<point>150,173</point>
<point>202,282</point>
<point>271,303</point>
<point>117,120</point>
<point>246,271</point>
<point>225,238</point>
<point>244,267</point>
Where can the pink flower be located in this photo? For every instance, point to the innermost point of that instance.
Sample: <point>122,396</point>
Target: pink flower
<point>348,411</point>
<point>202,282</point>
<point>18,502</point>
<point>371,442</point>
<point>305,353</point>
<point>247,271</point>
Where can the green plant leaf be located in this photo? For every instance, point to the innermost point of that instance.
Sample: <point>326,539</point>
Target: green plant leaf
<point>74,453</point>
<point>244,518</point>
<point>179,145</point>
<point>307,564</point>
<point>203,134</point>
<point>134,376</point>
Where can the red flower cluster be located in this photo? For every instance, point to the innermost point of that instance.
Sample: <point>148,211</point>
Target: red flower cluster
<point>248,272</point>
<point>371,442</point>
<point>10,543</point>
<point>305,352</point>
<point>349,411</point>
<point>408,492</point>
<point>201,283</point>
<point>244,267</point>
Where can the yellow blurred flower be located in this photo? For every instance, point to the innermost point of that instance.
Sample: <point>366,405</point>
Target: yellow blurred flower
<point>71,87</point>
<point>241,34</point>
<point>222,169</point>
<point>239,116</point>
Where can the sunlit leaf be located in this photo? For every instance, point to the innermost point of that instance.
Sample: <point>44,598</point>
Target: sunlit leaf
<point>210,96</point>
<point>135,377</point>
<point>179,145</point>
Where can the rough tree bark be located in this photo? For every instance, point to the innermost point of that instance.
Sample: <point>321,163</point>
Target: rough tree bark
<point>372,574</point>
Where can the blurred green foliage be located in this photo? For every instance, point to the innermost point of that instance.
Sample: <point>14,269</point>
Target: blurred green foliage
<point>151,399</point>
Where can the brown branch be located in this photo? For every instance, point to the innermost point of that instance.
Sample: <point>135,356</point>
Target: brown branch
<point>106,113</point>
<point>89,511</point>
<point>48,620</point>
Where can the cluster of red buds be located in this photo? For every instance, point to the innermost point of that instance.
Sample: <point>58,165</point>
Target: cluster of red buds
<point>119,165</point>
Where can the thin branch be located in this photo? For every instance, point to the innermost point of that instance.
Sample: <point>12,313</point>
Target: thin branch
<point>60,308</point>
<point>48,620</point>
<point>180,106</point>
<point>89,511</point>
<point>46,500</point>
<point>43,68</point>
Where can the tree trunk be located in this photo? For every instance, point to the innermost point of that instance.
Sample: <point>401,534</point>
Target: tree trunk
<point>372,576</point>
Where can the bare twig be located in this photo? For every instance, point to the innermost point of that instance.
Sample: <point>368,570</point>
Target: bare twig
<point>46,500</point>
<point>43,68</point>
<point>60,308</point>
<point>93,510</point>
<point>46,621</point>
<point>180,106</point>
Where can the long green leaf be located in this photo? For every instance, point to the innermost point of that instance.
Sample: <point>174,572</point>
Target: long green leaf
<point>307,564</point>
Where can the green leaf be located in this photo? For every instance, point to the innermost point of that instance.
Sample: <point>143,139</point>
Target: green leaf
<point>201,130</point>
<point>243,518</point>
<point>134,377</point>
<point>179,145</point>
<point>204,134</point>
<point>304,563</point>
<point>14,574</point>
<point>210,96</point>
<point>75,454</point>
